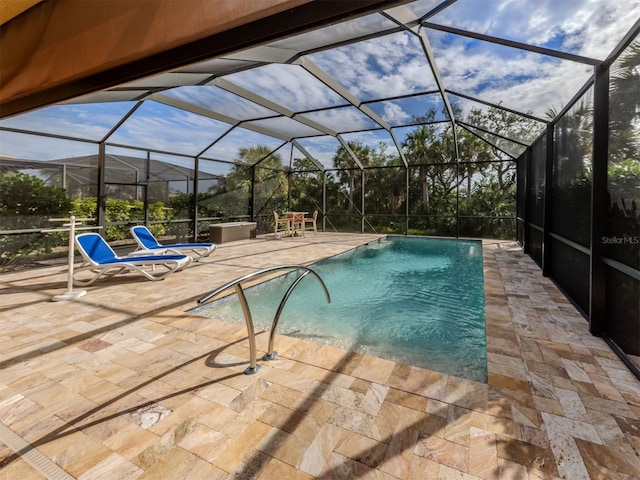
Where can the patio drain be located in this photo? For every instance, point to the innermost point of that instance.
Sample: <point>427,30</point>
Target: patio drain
<point>33,456</point>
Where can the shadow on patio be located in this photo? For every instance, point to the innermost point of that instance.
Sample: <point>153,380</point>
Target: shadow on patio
<point>123,383</point>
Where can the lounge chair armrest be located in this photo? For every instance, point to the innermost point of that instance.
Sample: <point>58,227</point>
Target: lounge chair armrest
<point>140,253</point>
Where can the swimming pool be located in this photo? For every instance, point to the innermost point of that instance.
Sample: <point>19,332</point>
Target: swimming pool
<point>413,300</point>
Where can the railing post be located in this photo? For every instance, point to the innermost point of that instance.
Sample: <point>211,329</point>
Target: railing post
<point>253,366</point>
<point>271,354</point>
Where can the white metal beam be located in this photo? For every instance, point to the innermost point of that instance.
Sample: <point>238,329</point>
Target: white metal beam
<point>307,154</point>
<point>351,153</point>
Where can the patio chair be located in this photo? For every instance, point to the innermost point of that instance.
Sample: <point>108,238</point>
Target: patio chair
<point>101,260</point>
<point>297,223</point>
<point>311,221</point>
<point>284,221</point>
<point>148,243</point>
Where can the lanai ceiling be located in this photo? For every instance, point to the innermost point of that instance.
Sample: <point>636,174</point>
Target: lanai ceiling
<point>371,79</point>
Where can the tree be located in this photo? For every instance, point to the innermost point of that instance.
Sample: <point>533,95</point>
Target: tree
<point>25,198</point>
<point>508,125</point>
<point>348,172</point>
<point>386,186</point>
<point>429,149</point>
<point>423,147</point>
<point>270,182</point>
<point>624,155</point>
<point>255,163</point>
<point>624,105</point>
<point>305,186</point>
<point>472,151</point>
<point>27,202</point>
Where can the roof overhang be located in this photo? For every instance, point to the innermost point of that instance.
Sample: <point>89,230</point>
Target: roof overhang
<point>71,48</point>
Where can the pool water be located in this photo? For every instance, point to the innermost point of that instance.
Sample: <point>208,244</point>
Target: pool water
<point>418,301</point>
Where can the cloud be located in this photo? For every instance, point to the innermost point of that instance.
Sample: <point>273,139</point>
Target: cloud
<point>287,85</point>
<point>321,148</point>
<point>388,66</point>
<point>286,127</point>
<point>218,100</point>
<point>346,119</point>
<point>227,147</point>
<point>373,139</point>
<point>524,81</point>
<point>161,127</point>
<point>91,122</point>
<point>383,67</point>
<point>394,114</point>
<point>586,27</point>
<point>35,147</point>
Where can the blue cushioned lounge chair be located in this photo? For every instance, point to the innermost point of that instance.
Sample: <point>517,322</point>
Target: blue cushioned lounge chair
<point>147,242</point>
<point>101,260</point>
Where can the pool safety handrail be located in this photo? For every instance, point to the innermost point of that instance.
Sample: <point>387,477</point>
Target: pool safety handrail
<point>237,283</point>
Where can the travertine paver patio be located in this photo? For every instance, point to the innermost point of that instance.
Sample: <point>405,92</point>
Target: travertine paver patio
<point>122,383</point>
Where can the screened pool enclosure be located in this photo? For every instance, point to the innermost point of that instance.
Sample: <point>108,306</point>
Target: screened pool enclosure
<point>494,119</point>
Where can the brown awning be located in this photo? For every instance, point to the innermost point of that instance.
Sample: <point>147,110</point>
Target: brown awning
<point>62,49</point>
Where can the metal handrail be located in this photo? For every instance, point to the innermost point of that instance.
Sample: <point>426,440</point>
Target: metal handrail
<point>237,283</point>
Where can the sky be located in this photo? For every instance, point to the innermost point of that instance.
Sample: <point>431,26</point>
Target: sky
<point>392,66</point>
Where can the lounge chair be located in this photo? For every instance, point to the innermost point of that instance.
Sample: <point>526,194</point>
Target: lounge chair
<point>101,260</point>
<point>148,243</point>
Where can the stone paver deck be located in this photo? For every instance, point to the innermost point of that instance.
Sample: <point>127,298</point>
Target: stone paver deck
<point>124,384</point>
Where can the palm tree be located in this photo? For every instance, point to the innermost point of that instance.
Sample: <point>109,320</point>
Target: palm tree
<point>427,145</point>
<point>417,146</point>
<point>624,105</point>
<point>265,163</point>
<point>347,170</point>
<point>472,150</point>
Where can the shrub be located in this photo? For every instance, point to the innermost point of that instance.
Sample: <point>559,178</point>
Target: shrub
<point>27,202</point>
